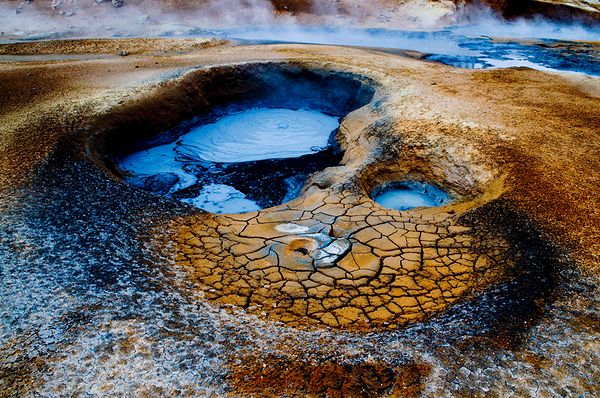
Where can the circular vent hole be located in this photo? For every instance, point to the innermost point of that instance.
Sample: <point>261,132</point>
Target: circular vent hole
<point>406,195</point>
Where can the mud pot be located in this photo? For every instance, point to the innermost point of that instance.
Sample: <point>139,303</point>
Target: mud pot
<point>255,150</point>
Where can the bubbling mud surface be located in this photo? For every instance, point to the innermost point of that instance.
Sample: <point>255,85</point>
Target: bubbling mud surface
<point>219,149</point>
<point>259,134</point>
<point>407,195</point>
<point>220,198</point>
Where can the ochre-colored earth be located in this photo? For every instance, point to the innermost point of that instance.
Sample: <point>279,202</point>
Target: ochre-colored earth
<point>340,260</point>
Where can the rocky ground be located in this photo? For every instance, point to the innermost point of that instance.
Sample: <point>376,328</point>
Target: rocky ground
<point>110,291</point>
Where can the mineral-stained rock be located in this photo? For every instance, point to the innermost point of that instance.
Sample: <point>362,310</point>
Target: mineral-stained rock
<point>280,377</point>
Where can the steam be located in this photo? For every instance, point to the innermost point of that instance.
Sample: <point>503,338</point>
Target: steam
<point>483,21</point>
<point>60,18</point>
<point>136,18</point>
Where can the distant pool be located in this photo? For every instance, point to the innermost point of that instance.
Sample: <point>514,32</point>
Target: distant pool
<point>462,47</point>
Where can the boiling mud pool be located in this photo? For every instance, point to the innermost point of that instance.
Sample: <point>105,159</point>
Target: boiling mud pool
<point>460,47</point>
<point>240,163</point>
<point>409,195</point>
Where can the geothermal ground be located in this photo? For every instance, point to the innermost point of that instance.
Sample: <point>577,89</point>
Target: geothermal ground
<point>111,287</point>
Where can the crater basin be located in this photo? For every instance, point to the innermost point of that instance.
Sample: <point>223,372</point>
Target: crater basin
<point>406,195</point>
<point>216,166</point>
<point>234,138</point>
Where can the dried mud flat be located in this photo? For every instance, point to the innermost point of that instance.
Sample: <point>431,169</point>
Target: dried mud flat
<point>108,290</point>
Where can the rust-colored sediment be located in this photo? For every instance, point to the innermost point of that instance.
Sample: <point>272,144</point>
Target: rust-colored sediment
<point>276,377</point>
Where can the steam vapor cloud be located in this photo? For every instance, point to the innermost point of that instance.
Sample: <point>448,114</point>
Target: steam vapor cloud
<point>296,20</point>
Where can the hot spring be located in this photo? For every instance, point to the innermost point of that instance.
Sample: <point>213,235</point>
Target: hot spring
<point>406,195</point>
<point>231,165</point>
<point>257,134</point>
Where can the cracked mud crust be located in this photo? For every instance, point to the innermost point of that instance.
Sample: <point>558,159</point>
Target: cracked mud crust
<point>494,294</point>
<point>340,261</point>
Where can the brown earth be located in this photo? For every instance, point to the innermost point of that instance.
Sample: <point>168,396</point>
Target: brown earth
<point>276,377</point>
<point>121,47</point>
<point>521,137</point>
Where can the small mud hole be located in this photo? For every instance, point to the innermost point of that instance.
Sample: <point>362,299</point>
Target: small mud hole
<point>302,251</point>
<point>257,134</point>
<point>406,195</point>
